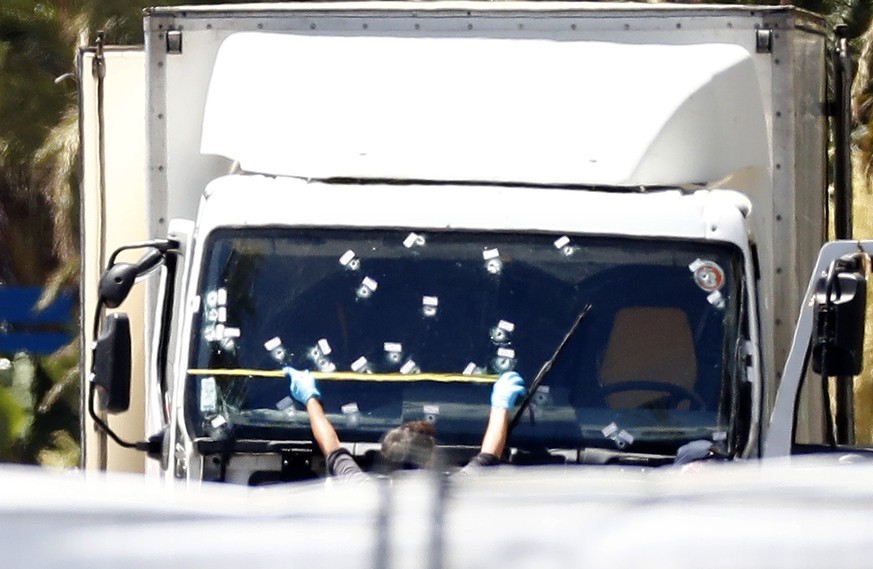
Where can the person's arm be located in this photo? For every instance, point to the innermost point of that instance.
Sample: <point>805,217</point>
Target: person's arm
<point>508,387</point>
<point>339,462</point>
<point>496,432</point>
<point>304,390</point>
<point>322,429</point>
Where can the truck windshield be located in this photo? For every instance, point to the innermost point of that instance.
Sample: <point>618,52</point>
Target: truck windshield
<point>410,325</point>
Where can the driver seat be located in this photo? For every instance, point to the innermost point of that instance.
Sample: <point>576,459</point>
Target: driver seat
<point>651,344</point>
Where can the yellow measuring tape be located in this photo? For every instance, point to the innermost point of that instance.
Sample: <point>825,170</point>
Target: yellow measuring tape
<point>352,376</point>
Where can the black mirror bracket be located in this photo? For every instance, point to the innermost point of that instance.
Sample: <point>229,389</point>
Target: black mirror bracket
<point>153,446</point>
<point>110,366</point>
<point>110,374</point>
<point>118,278</point>
<point>840,310</point>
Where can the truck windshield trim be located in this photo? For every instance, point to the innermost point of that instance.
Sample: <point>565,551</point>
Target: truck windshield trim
<point>405,325</point>
<point>618,189</point>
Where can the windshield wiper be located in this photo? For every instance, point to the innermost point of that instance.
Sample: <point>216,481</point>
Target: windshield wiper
<point>525,403</point>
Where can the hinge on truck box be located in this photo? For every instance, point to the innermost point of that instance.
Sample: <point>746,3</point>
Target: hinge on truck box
<point>174,41</point>
<point>764,41</point>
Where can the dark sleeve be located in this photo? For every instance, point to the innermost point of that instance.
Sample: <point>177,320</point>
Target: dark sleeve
<point>481,460</point>
<point>341,465</point>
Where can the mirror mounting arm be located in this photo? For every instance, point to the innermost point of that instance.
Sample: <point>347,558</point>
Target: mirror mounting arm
<point>141,445</point>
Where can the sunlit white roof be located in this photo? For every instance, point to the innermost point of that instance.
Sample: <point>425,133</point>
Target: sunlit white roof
<point>703,214</point>
<point>485,109</point>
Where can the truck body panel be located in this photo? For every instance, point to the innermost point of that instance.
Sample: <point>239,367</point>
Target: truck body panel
<point>111,215</point>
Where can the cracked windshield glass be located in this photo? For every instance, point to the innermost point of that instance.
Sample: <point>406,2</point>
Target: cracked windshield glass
<point>416,325</point>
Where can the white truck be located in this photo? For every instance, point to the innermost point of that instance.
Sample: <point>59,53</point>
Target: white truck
<point>409,198</point>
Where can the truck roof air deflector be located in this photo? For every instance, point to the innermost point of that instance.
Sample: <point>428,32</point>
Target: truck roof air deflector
<point>507,110</point>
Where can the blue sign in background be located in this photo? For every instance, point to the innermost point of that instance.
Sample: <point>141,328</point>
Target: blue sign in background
<point>24,328</point>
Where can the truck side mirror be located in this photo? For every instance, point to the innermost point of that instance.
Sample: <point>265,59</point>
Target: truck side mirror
<point>117,280</point>
<point>112,356</point>
<point>838,319</point>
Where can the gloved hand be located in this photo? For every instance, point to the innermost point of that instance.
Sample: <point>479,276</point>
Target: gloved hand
<point>303,385</point>
<point>506,390</point>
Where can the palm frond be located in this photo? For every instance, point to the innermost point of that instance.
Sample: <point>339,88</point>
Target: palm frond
<point>54,167</point>
<point>862,105</point>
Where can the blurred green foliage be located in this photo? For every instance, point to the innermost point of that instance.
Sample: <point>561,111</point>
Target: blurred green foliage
<point>38,414</point>
<point>39,234</point>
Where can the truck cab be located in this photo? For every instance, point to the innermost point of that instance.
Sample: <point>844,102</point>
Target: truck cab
<point>413,317</point>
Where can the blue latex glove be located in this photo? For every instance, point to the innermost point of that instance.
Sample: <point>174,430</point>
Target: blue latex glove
<point>506,390</point>
<point>303,386</point>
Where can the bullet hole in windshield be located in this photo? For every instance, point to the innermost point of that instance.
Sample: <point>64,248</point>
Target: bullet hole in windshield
<point>351,413</point>
<point>502,333</point>
<point>505,360</point>
<point>350,261</point>
<point>617,435</point>
<point>393,353</point>
<point>473,369</point>
<point>429,305</point>
<point>414,240</point>
<point>366,289</point>
<point>493,263</point>
<point>361,365</point>
<point>409,367</point>
<point>318,355</point>
<point>277,351</point>
<point>563,245</point>
<point>716,299</point>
